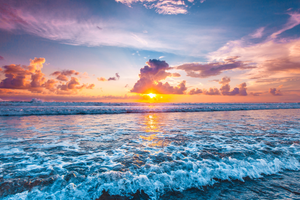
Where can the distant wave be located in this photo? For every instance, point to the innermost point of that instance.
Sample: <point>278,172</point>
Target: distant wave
<point>14,108</point>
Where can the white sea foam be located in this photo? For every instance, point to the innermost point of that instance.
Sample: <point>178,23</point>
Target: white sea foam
<point>36,107</point>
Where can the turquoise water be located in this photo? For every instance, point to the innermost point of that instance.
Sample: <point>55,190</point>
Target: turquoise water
<point>175,155</point>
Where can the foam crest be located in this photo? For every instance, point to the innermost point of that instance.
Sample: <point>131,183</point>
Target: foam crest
<point>37,107</point>
<point>156,182</point>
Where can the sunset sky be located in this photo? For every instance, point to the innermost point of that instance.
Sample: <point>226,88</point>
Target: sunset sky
<point>180,50</point>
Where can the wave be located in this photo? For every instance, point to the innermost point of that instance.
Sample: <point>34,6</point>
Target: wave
<point>156,180</point>
<point>36,107</point>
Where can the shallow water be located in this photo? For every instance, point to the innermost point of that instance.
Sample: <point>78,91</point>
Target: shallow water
<point>184,155</point>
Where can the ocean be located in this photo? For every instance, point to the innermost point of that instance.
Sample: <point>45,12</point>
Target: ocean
<point>69,150</point>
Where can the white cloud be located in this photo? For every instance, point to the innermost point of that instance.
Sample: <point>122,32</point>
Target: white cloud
<point>167,7</point>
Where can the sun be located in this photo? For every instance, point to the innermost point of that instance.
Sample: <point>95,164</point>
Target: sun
<point>151,95</point>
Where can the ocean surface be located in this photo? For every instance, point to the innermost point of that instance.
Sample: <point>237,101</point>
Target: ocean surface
<point>51,150</point>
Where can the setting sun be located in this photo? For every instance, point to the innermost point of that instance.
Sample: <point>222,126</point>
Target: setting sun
<point>151,95</point>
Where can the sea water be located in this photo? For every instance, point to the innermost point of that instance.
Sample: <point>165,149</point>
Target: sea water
<point>162,151</point>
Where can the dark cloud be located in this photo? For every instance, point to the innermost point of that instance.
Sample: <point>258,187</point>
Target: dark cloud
<point>150,77</point>
<point>198,70</point>
<point>112,79</point>
<point>275,92</point>
<point>32,79</point>
<point>117,77</point>
<point>1,58</point>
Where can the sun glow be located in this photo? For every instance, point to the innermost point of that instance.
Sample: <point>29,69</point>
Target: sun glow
<point>151,95</point>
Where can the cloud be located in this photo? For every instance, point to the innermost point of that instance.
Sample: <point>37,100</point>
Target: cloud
<point>277,80</point>
<point>102,79</point>
<point>114,78</point>
<point>275,92</point>
<point>63,75</point>
<point>195,91</point>
<point>1,58</point>
<point>24,77</point>
<point>198,70</point>
<point>117,77</point>
<point>211,91</point>
<point>272,57</point>
<point>293,21</point>
<point>258,33</point>
<point>241,90</point>
<point>32,79</point>
<point>150,77</point>
<point>167,7</point>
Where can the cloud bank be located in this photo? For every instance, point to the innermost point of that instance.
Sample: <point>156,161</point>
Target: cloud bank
<point>241,90</point>
<point>32,79</point>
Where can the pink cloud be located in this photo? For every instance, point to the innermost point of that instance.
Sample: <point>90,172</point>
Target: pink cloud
<point>102,79</point>
<point>258,33</point>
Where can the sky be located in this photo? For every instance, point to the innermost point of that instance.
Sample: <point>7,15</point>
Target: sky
<point>121,50</point>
